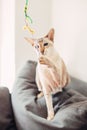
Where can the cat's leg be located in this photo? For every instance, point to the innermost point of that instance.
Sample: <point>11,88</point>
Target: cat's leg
<point>49,104</point>
<point>48,98</point>
<point>39,86</point>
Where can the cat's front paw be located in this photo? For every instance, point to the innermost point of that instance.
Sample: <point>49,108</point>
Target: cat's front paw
<point>51,116</point>
<point>40,95</point>
<point>44,60</point>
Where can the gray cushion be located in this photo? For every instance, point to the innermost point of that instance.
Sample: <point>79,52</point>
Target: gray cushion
<point>6,114</point>
<point>70,106</point>
<point>78,85</point>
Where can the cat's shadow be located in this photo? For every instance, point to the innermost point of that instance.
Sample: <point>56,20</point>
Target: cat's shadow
<point>59,100</point>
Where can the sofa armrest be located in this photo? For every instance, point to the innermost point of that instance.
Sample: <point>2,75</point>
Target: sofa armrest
<point>6,114</point>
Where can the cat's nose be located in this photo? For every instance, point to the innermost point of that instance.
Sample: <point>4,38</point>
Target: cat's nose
<point>41,49</point>
<point>42,52</point>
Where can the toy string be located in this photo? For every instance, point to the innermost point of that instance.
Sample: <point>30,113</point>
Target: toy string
<point>25,10</point>
<point>27,18</point>
<point>26,2</point>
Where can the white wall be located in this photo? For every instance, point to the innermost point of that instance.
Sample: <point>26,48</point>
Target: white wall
<point>40,11</point>
<point>69,18</point>
<point>0,36</point>
<point>70,22</point>
<point>7,43</point>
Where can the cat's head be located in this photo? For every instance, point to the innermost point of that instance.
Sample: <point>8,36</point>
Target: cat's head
<point>43,44</point>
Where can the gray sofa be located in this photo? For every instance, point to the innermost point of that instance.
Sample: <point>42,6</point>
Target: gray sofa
<point>6,114</point>
<point>21,111</point>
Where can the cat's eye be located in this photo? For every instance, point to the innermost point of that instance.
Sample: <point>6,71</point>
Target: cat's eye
<point>45,44</point>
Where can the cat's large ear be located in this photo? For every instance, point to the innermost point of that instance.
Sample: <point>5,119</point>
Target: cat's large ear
<point>50,35</point>
<point>30,40</point>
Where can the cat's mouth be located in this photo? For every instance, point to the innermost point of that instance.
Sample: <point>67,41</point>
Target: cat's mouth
<point>43,53</point>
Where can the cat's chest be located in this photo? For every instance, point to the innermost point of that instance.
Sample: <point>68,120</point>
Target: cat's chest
<point>47,75</point>
<point>44,71</point>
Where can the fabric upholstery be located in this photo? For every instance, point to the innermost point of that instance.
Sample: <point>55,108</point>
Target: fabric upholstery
<point>78,85</point>
<point>70,106</point>
<point>6,114</point>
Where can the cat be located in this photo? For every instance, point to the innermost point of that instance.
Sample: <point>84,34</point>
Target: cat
<point>51,72</point>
